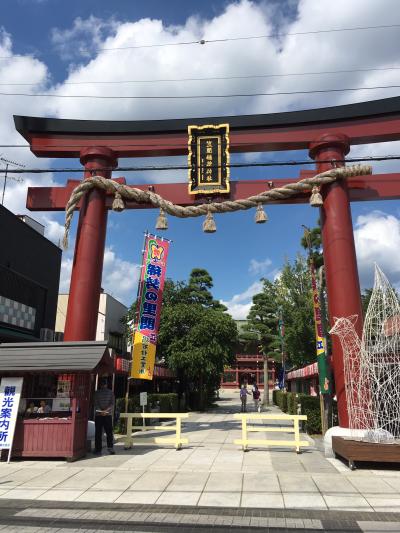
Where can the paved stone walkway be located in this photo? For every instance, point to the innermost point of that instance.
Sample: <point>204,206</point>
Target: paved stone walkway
<point>210,471</point>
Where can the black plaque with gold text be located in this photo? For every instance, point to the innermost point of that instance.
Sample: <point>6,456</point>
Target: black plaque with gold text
<point>208,159</point>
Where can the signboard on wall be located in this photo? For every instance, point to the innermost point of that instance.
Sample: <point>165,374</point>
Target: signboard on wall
<point>208,159</point>
<point>10,394</point>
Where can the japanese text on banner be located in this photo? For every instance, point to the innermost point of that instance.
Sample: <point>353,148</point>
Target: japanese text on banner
<point>149,306</point>
<point>10,393</point>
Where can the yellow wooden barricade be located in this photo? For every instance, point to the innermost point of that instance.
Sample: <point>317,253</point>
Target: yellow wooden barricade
<point>177,440</point>
<point>245,441</point>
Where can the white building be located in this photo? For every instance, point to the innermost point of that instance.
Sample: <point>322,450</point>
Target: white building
<point>109,326</point>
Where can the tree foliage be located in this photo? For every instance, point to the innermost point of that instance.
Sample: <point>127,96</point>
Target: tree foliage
<point>312,242</point>
<point>289,297</point>
<point>197,338</point>
<point>262,325</point>
<point>294,296</point>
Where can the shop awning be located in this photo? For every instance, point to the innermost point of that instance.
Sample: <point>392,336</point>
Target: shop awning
<point>73,357</point>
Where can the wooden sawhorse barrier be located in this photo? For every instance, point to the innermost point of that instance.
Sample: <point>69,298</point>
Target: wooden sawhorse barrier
<point>177,441</point>
<point>245,441</point>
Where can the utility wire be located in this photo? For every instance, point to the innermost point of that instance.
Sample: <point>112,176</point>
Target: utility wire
<point>228,39</point>
<point>186,167</point>
<point>212,78</point>
<point>248,37</point>
<point>199,96</point>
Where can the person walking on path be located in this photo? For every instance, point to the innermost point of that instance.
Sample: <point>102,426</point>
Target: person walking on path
<point>243,397</point>
<point>104,405</point>
<point>256,397</point>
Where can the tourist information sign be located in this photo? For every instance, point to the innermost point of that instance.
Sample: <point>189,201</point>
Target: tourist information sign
<point>10,393</point>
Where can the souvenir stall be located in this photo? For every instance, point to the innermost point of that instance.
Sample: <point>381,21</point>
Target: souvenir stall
<point>58,380</point>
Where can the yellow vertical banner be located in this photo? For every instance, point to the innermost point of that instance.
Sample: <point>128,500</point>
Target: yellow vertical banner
<point>144,355</point>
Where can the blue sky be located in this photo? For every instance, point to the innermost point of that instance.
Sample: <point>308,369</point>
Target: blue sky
<point>56,44</point>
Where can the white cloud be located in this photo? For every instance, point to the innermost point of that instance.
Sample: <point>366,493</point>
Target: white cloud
<point>120,277</point>
<point>83,39</point>
<point>65,275</point>
<point>319,52</point>
<point>239,305</point>
<point>259,267</point>
<point>377,239</point>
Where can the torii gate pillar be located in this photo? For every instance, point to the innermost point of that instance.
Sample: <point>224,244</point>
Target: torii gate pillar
<point>84,293</point>
<point>340,261</point>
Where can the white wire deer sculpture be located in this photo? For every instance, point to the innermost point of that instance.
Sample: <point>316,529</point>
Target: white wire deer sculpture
<point>372,365</point>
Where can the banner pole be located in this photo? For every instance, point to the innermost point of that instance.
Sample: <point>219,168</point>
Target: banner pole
<point>320,339</point>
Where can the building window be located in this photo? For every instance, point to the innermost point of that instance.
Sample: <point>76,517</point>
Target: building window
<point>117,342</point>
<point>229,377</point>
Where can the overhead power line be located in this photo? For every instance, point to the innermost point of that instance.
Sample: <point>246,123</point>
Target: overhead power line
<point>186,167</point>
<point>198,96</point>
<point>249,37</point>
<point>229,39</point>
<point>211,78</point>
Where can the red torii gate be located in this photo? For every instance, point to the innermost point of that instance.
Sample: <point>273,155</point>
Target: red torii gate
<point>327,133</point>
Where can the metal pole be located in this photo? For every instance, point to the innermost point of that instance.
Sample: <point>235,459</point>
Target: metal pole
<point>266,387</point>
<point>282,347</point>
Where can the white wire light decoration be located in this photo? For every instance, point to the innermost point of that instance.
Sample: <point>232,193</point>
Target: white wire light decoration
<point>372,366</point>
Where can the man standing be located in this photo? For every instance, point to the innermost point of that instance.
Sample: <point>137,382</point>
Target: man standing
<point>243,397</point>
<point>104,407</point>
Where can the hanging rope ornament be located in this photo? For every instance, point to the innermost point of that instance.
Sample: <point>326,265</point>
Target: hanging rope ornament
<point>132,194</point>
<point>316,197</point>
<point>162,222</point>
<point>118,203</point>
<point>209,225</point>
<point>261,216</point>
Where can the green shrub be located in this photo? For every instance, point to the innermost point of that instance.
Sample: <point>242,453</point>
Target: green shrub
<point>292,402</point>
<point>310,406</point>
<point>174,402</point>
<point>168,403</point>
<point>274,400</point>
<point>284,402</point>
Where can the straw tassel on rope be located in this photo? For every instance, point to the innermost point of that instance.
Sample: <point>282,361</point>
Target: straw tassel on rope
<point>261,216</point>
<point>118,203</point>
<point>162,222</point>
<point>209,225</point>
<point>316,197</point>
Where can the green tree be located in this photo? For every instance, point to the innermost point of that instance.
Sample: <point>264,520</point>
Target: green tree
<point>365,298</point>
<point>294,297</point>
<point>262,325</point>
<point>199,287</point>
<point>312,242</point>
<point>197,338</point>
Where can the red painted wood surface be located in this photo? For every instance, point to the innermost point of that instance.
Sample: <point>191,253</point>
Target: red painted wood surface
<point>361,188</point>
<point>263,139</point>
<point>43,437</point>
<point>52,437</point>
<point>87,268</point>
<point>342,282</point>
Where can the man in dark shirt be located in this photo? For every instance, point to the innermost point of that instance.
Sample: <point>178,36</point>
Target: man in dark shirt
<point>104,407</point>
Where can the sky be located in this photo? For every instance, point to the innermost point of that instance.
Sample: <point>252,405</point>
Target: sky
<point>61,48</point>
